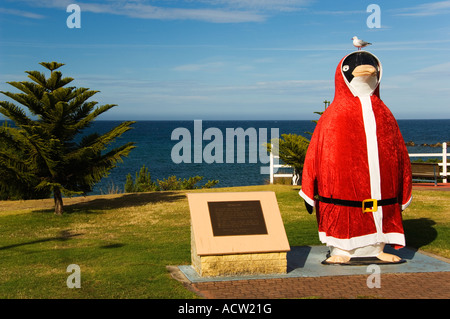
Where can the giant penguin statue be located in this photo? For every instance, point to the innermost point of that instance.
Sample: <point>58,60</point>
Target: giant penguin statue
<point>357,172</point>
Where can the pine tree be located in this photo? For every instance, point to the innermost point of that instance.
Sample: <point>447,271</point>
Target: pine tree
<point>44,151</point>
<point>292,151</point>
<point>13,184</point>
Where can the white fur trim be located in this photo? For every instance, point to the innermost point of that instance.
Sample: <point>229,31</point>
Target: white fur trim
<point>404,206</point>
<point>370,128</point>
<point>307,199</point>
<point>362,241</point>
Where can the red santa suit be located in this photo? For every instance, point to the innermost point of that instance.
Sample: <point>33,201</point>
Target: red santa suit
<point>357,153</point>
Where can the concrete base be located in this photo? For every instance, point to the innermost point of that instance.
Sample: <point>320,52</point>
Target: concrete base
<point>305,261</point>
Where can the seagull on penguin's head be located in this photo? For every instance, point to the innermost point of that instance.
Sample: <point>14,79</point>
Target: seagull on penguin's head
<point>359,43</point>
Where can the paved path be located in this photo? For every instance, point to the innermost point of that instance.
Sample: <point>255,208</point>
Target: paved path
<point>431,186</point>
<point>430,285</point>
<point>423,276</point>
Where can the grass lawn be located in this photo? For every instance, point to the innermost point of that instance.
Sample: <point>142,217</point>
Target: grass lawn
<point>124,242</point>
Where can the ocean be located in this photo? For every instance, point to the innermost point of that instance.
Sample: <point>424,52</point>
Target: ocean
<point>156,149</point>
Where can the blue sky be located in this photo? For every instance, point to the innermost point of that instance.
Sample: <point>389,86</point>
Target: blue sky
<point>230,59</point>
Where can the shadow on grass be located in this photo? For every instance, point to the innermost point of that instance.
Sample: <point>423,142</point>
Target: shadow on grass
<point>130,200</point>
<point>64,235</point>
<point>95,205</point>
<point>419,232</point>
<point>109,246</point>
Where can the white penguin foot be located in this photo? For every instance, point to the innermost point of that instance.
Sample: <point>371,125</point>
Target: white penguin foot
<point>388,257</point>
<point>338,259</point>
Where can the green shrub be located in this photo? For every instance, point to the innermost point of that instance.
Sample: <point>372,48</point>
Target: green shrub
<point>143,183</point>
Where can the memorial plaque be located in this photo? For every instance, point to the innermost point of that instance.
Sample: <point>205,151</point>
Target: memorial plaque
<point>237,233</point>
<point>236,222</point>
<point>234,218</point>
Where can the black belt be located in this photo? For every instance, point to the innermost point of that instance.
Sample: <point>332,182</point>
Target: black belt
<point>368,205</point>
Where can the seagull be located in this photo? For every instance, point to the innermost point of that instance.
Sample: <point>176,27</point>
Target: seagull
<point>359,43</point>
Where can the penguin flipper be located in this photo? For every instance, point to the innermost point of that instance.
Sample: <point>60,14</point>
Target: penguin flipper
<point>309,208</point>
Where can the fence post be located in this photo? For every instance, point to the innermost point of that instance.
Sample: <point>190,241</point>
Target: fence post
<point>444,161</point>
<point>271,163</point>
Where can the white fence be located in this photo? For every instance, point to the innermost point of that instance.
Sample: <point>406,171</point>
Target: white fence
<point>444,163</point>
<point>274,163</point>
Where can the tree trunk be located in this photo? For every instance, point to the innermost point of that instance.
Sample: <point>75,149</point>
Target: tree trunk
<point>58,201</point>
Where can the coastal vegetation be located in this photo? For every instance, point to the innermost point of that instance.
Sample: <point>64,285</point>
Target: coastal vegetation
<point>124,242</point>
<point>411,143</point>
<point>44,152</point>
<point>143,182</point>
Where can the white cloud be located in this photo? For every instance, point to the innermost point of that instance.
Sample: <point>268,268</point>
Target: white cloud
<point>215,11</point>
<point>146,11</point>
<point>422,86</point>
<point>339,12</point>
<point>21,13</point>
<point>263,5</point>
<point>271,88</point>
<point>413,45</point>
<point>427,9</point>
<point>200,67</point>
<point>442,69</point>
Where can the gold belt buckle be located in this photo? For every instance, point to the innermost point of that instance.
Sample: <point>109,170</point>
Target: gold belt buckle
<point>368,209</point>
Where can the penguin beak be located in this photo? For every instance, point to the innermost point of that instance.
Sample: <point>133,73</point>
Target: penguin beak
<point>361,70</point>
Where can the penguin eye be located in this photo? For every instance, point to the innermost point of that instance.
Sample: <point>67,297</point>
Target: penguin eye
<point>345,68</point>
